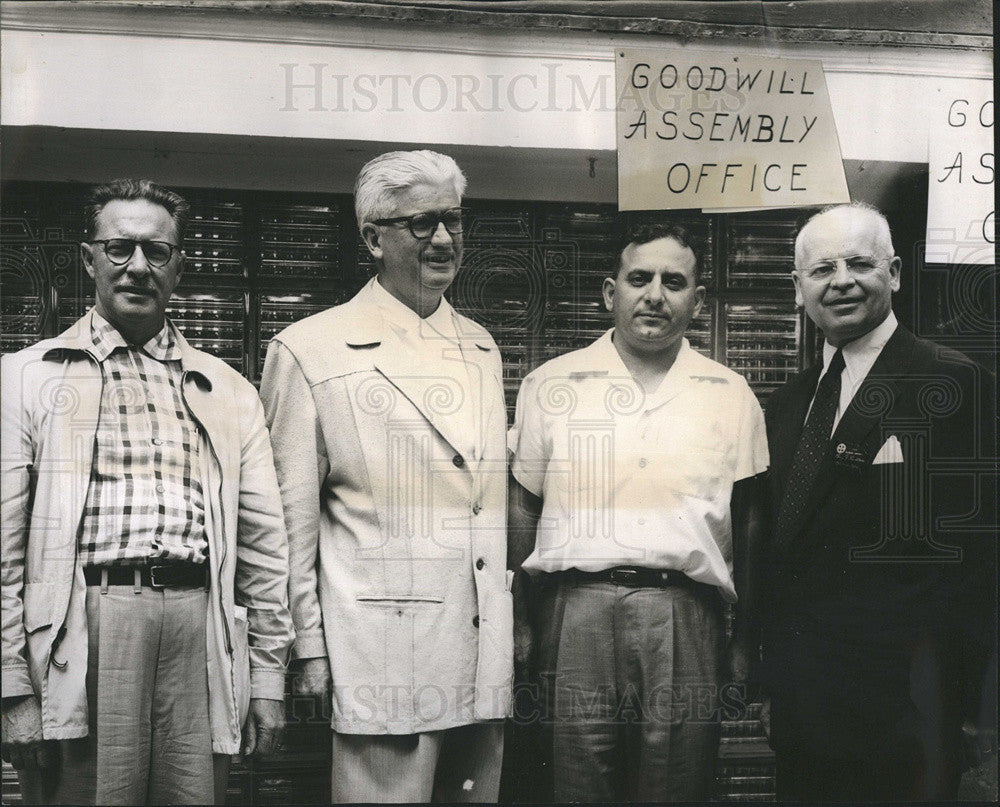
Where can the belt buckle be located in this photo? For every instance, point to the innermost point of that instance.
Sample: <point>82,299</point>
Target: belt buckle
<point>624,577</point>
<point>153,583</point>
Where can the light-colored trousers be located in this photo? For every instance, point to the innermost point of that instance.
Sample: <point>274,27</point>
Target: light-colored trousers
<point>147,689</point>
<point>460,764</point>
<point>630,681</point>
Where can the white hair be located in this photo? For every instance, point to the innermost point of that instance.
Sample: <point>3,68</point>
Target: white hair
<point>382,178</point>
<point>883,237</point>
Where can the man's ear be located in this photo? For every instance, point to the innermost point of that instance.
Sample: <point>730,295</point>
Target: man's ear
<point>373,239</point>
<point>699,295</point>
<point>181,266</point>
<point>895,265</point>
<point>87,256</point>
<point>799,302</point>
<point>608,290</point>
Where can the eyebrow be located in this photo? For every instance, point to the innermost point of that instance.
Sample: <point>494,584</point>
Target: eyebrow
<point>864,257</point>
<point>650,273</point>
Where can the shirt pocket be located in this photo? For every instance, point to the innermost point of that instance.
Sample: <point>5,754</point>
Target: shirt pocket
<point>698,471</point>
<point>693,460</point>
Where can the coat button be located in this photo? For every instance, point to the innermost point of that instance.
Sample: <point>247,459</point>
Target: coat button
<point>475,621</point>
<point>480,564</point>
<point>458,461</point>
<point>477,508</point>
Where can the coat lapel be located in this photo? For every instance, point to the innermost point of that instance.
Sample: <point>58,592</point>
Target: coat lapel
<point>481,354</point>
<point>871,403</point>
<point>367,329</point>
<point>429,393</point>
<point>791,421</point>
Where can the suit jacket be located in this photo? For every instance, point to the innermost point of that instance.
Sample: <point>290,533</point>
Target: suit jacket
<point>882,593</point>
<point>397,541</point>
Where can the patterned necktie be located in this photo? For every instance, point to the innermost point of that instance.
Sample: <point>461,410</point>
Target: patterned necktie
<point>812,447</point>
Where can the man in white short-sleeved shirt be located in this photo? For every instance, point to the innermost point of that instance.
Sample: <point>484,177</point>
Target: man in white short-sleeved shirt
<point>637,469</point>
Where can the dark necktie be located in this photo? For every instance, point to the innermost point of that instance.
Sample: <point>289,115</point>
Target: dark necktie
<point>812,447</point>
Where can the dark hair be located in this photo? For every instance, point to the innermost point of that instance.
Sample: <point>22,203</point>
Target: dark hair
<point>644,233</point>
<point>128,190</point>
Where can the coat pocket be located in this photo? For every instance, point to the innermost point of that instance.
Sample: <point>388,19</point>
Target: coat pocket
<point>398,599</point>
<point>37,620</point>
<point>37,607</point>
<point>241,662</point>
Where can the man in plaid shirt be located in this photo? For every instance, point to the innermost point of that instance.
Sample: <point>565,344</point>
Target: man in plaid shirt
<point>145,618</point>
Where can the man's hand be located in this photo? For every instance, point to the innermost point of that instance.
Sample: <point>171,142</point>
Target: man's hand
<point>313,678</point>
<point>765,717</point>
<point>523,646</point>
<point>264,727</point>
<point>22,745</point>
<point>740,662</point>
<point>976,746</point>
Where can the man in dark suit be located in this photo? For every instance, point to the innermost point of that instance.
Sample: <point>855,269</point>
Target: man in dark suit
<point>881,565</point>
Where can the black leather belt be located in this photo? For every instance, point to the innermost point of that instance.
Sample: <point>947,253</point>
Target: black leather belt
<point>157,576</point>
<point>634,577</point>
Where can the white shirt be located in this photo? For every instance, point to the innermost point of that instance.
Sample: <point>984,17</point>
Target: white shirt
<point>628,478</point>
<point>859,356</point>
<point>436,348</point>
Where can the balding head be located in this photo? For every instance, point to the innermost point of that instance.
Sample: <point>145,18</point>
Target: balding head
<point>845,219</point>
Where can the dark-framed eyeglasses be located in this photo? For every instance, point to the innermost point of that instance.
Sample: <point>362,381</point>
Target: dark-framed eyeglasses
<point>424,225</point>
<point>121,250</point>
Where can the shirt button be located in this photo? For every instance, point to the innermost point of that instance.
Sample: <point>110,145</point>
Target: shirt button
<point>642,522</point>
<point>480,564</point>
<point>475,621</point>
<point>160,488</point>
<point>458,461</point>
<point>157,441</point>
<point>642,463</point>
<point>477,508</point>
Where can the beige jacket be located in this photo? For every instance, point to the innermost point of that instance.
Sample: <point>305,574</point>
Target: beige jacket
<point>397,542</point>
<point>51,403</point>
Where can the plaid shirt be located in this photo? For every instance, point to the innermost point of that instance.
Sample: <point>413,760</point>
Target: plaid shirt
<point>144,501</point>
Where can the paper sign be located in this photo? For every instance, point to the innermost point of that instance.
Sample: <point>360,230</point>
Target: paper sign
<point>707,131</point>
<point>960,192</point>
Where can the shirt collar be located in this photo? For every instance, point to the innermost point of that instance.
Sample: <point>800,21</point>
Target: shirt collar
<point>402,316</point>
<point>860,353</point>
<point>609,359</point>
<point>106,339</point>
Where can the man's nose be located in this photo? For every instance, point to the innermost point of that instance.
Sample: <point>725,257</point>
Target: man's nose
<point>655,290</point>
<point>842,276</point>
<point>137,264</point>
<point>441,234</point>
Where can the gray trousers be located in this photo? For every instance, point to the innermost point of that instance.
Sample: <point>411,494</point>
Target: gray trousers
<point>460,764</point>
<point>147,689</point>
<point>630,680</point>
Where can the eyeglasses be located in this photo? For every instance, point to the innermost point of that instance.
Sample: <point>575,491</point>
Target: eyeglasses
<point>857,265</point>
<point>424,225</point>
<point>120,250</point>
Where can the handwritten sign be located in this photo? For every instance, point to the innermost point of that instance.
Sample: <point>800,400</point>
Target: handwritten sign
<point>961,211</point>
<point>708,131</point>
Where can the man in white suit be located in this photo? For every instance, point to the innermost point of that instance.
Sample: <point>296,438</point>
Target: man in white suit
<point>388,425</point>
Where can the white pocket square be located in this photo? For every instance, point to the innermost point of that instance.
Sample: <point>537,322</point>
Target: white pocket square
<point>891,451</point>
